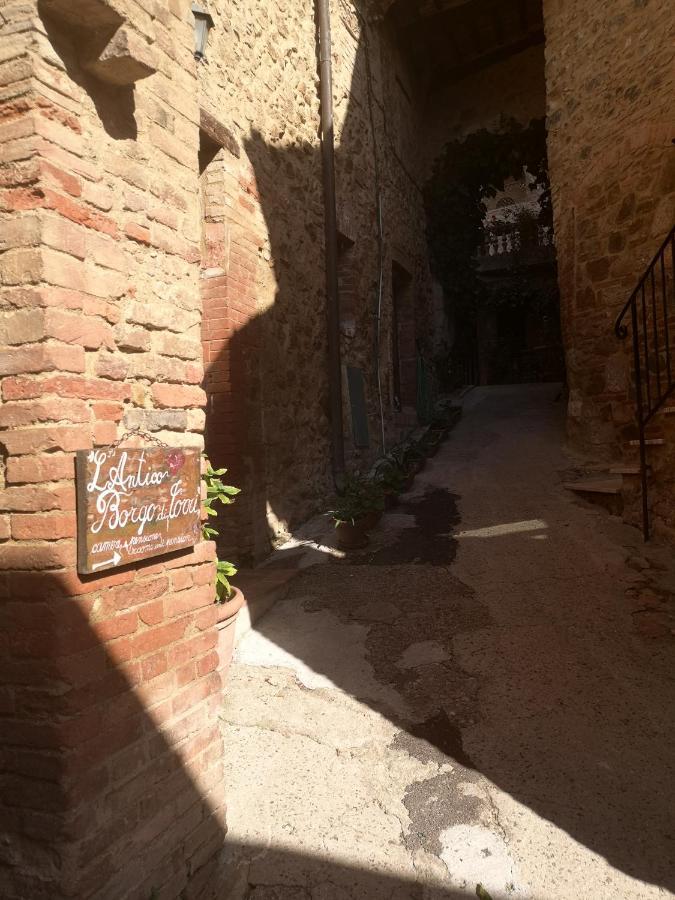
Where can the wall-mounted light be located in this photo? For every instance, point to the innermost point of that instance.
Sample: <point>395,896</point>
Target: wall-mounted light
<point>203,24</point>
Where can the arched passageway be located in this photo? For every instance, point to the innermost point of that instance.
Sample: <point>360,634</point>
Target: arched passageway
<point>480,71</point>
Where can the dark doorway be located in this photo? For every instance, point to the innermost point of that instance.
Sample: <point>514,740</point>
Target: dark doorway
<point>404,361</point>
<point>518,308</point>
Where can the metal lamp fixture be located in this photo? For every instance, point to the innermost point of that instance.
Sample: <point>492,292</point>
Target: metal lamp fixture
<point>203,24</point>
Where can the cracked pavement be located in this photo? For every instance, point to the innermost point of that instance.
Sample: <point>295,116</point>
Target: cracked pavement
<point>469,700</point>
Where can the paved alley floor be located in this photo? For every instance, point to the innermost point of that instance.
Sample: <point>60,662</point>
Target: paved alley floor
<point>475,699</point>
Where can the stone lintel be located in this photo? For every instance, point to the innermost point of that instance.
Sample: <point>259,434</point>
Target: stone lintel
<point>218,132</point>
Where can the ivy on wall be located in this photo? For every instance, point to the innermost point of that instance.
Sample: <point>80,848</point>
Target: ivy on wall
<point>468,172</point>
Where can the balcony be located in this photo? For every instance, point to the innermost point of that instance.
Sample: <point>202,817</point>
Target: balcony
<point>510,248</point>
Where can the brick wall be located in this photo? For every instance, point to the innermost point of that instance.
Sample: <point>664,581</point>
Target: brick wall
<point>112,780</point>
<point>231,346</point>
<point>609,81</point>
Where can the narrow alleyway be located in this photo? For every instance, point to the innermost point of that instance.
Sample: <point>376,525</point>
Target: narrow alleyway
<point>478,698</point>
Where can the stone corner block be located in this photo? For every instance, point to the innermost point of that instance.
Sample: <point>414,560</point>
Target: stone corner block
<point>89,15</point>
<point>125,59</point>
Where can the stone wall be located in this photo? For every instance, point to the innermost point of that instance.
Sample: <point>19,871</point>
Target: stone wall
<point>266,354</point>
<point>609,77</point>
<point>111,751</point>
<point>378,121</point>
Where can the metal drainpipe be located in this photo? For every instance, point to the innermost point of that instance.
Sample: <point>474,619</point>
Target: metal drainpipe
<point>331,237</point>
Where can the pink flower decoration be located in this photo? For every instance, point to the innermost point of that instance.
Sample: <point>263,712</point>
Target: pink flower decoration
<point>175,460</point>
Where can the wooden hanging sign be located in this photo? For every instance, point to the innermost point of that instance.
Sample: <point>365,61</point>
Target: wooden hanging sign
<point>134,504</point>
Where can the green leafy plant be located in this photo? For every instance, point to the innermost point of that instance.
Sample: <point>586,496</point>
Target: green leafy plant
<point>218,492</point>
<point>399,455</point>
<point>373,494</point>
<point>360,496</point>
<point>414,453</point>
<point>481,893</point>
<point>224,571</point>
<point>469,171</point>
<point>406,455</point>
<point>432,436</point>
<point>388,473</point>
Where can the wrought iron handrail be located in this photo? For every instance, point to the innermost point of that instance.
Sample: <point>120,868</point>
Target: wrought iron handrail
<point>649,314</point>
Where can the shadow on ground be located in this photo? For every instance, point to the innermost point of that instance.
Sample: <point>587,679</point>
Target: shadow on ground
<point>273,874</point>
<point>80,738</point>
<point>552,699</point>
<point>435,515</point>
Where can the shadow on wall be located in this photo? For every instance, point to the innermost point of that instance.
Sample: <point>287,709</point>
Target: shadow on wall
<point>276,403</point>
<point>95,801</point>
<point>115,104</point>
<point>279,360</point>
<point>554,702</point>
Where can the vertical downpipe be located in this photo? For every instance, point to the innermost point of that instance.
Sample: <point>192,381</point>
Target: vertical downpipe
<point>330,226</point>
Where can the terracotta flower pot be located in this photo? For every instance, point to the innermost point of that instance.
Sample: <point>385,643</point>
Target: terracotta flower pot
<point>371,519</point>
<point>227,618</point>
<point>441,428</point>
<point>418,464</point>
<point>351,535</point>
<point>390,499</point>
<point>408,483</point>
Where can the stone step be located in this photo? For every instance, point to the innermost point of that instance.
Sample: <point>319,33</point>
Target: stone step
<point>606,485</point>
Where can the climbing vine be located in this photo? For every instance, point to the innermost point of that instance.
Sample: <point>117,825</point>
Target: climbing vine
<point>468,172</point>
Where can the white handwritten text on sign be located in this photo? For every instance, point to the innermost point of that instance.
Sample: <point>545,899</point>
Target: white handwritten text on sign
<point>134,504</point>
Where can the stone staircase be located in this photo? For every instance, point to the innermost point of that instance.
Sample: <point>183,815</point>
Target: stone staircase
<point>649,318</point>
<point>623,478</point>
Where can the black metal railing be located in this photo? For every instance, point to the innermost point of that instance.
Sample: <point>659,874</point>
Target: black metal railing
<point>649,314</point>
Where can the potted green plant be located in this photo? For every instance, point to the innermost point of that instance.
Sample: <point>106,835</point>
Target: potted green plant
<point>415,457</point>
<point>431,441</point>
<point>391,478</point>
<point>229,599</point>
<point>373,498</point>
<point>441,427</point>
<point>401,454</point>
<point>353,513</point>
